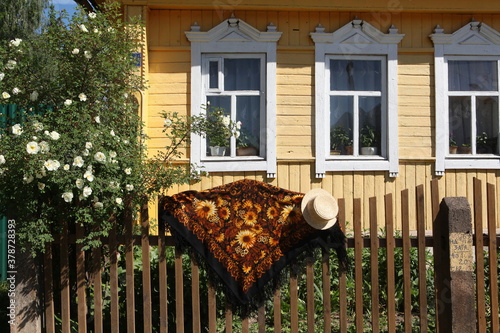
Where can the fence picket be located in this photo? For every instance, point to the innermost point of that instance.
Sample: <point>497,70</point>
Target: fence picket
<point>327,302</point>
<point>195,296</point>
<point>492,255</point>
<point>294,305</point>
<point>310,295</point>
<point>129,274</point>
<point>261,319</point>
<point>358,268</point>
<point>162,279</point>
<point>374,264</point>
<point>405,233</point>
<point>478,235</point>
<point>179,292</point>
<point>229,318</point>
<point>389,234</point>
<point>342,277</point>
<point>96,279</point>
<point>80,282</point>
<point>146,271</point>
<point>113,280</point>
<point>49,291</point>
<point>277,311</point>
<point>212,309</point>
<point>65,283</point>
<point>422,269</point>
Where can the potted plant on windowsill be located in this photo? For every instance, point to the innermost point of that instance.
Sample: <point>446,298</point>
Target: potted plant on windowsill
<point>453,145</point>
<point>368,138</point>
<point>465,149</point>
<point>339,138</point>
<point>218,128</point>
<point>246,144</point>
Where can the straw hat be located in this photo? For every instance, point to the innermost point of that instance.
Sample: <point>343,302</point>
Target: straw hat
<point>319,209</point>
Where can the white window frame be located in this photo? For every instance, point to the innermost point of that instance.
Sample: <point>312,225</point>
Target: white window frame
<point>235,37</point>
<point>354,40</point>
<point>220,91</point>
<point>474,41</point>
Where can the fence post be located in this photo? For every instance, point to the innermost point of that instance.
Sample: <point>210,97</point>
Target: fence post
<point>454,267</point>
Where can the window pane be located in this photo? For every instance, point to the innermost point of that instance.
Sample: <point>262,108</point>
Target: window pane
<point>370,122</point>
<point>223,102</point>
<point>248,112</point>
<point>487,125</point>
<point>472,75</point>
<point>460,120</point>
<point>241,74</point>
<point>341,124</point>
<point>214,74</point>
<point>359,75</point>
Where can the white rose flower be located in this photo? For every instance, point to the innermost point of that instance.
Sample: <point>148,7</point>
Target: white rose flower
<point>78,161</point>
<point>238,125</point>
<point>97,119</point>
<point>119,201</point>
<point>32,148</point>
<point>112,133</point>
<point>79,183</point>
<point>34,96</point>
<point>98,205</point>
<point>226,120</point>
<point>2,75</point>
<point>87,191</point>
<point>11,64</point>
<point>100,157</point>
<point>41,186</point>
<point>16,90</point>
<point>66,167</point>
<point>111,29</point>
<point>41,174</point>
<point>51,165</point>
<point>125,142</point>
<point>17,129</point>
<point>2,159</point>
<point>167,122</point>
<point>75,51</point>
<point>67,196</point>
<point>16,42</point>
<point>87,54</point>
<point>54,135</point>
<point>38,126</point>
<point>86,152</point>
<point>89,176</point>
<point>83,28</point>
<point>82,97</point>
<point>129,187</point>
<point>68,102</point>
<point>96,31</point>
<point>128,171</point>
<point>44,147</point>
<point>5,95</point>
<point>28,179</point>
<point>92,15</point>
<point>112,154</point>
<point>88,145</point>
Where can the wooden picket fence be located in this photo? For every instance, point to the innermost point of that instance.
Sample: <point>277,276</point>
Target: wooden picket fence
<point>114,288</point>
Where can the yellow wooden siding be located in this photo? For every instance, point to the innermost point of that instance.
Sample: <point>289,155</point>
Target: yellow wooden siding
<point>169,90</point>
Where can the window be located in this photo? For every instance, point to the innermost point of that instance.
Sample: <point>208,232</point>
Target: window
<point>233,67</point>
<point>356,99</point>
<point>235,83</point>
<point>467,98</point>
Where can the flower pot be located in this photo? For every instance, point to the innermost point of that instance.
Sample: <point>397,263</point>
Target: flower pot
<point>246,151</point>
<point>368,150</point>
<point>464,150</point>
<point>349,150</point>
<point>217,151</point>
<point>453,149</point>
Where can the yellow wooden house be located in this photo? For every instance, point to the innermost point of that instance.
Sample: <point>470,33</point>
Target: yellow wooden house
<point>314,83</point>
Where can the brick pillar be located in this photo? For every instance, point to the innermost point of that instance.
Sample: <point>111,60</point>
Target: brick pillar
<point>453,253</point>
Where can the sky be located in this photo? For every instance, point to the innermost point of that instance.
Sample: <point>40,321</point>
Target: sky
<point>68,5</point>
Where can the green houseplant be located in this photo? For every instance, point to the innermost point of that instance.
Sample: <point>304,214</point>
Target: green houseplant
<point>453,145</point>
<point>339,139</point>
<point>246,143</point>
<point>369,139</point>
<point>218,128</point>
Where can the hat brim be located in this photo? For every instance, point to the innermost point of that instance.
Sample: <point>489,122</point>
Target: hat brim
<point>320,225</point>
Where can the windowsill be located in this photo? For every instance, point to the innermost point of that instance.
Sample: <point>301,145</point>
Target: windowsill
<point>231,159</point>
<point>355,158</point>
<point>469,161</point>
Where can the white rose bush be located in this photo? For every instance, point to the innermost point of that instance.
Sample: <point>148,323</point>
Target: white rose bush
<point>73,151</point>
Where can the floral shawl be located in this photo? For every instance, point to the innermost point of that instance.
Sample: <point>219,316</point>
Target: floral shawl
<point>246,232</point>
